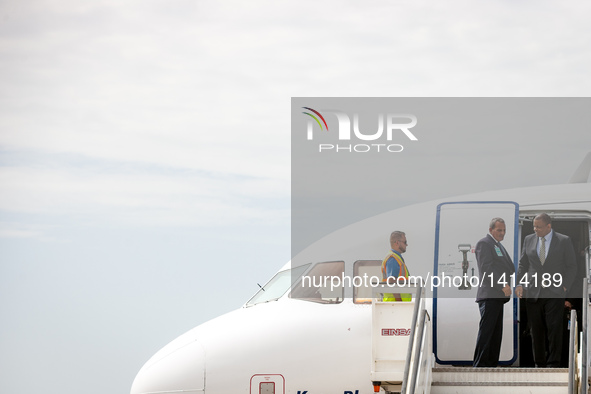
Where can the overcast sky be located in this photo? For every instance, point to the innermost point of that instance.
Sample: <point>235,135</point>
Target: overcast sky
<point>145,150</point>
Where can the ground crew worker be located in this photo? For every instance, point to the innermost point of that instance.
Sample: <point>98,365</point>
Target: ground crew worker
<point>394,266</point>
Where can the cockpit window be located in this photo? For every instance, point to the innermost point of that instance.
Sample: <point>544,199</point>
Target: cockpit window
<point>321,284</point>
<point>277,286</point>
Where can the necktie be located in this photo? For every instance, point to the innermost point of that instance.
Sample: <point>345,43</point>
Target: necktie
<point>543,250</point>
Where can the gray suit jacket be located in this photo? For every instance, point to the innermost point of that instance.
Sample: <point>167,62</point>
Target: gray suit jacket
<point>560,260</point>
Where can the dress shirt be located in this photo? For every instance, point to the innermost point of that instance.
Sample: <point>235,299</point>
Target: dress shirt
<point>548,238</point>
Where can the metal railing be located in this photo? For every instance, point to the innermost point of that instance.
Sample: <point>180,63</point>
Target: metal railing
<point>424,335</point>
<point>573,369</point>
<point>411,340</point>
<point>585,338</point>
<point>414,353</point>
<point>584,374</point>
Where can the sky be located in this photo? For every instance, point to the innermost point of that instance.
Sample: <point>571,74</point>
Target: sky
<point>145,151</point>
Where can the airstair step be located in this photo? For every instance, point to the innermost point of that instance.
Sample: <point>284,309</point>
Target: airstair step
<point>459,380</point>
<point>488,375</point>
<point>499,389</point>
<point>474,384</point>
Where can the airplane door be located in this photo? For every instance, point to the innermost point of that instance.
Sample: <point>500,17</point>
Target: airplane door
<point>267,384</point>
<point>459,226</point>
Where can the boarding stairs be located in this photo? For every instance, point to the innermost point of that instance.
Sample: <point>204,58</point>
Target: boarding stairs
<point>415,372</point>
<point>468,380</point>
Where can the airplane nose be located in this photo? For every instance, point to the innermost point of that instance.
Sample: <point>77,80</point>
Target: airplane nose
<point>178,368</point>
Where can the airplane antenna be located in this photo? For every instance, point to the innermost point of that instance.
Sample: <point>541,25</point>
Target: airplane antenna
<point>581,174</point>
<point>261,287</point>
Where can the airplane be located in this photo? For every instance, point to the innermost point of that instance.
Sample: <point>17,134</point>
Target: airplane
<point>303,337</point>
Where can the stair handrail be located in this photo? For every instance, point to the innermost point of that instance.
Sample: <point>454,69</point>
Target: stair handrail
<point>423,336</point>
<point>573,370</point>
<point>585,321</point>
<point>413,329</point>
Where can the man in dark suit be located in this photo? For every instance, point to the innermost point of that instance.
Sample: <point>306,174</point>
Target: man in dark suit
<point>547,268</point>
<point>495,268</point>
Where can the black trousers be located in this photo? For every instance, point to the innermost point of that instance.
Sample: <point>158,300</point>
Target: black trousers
<point>490,333</point>
<point>545,319</point>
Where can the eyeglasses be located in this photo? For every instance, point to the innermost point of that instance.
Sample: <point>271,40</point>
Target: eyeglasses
<point>403,242</point>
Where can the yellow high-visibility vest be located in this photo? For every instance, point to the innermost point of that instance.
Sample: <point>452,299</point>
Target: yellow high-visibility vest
<point>402,269</point>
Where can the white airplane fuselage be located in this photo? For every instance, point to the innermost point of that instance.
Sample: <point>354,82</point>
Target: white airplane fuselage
<point>291,345</point>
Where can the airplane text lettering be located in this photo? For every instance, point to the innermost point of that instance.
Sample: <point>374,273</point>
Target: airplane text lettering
<point>395,331</point>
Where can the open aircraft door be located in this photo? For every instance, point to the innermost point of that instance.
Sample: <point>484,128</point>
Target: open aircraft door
<point>459,226</point>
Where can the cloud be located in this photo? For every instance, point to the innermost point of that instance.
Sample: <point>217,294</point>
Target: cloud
<point>141,197</point>
<point>8,230</point>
